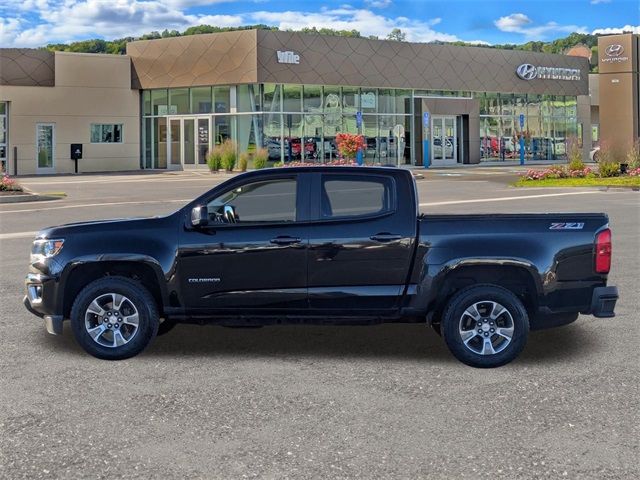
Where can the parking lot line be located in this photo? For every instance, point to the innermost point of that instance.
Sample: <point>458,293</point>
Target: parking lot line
<point>85,205</point>
<point>9,236</point>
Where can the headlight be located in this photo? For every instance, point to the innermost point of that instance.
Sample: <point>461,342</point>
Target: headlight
<point>43,249</point>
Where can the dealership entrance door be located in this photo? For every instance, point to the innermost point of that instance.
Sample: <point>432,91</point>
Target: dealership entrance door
<point>189,143</point>
<point>444,140</point>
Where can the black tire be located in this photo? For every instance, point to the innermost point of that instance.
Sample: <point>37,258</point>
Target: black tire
<point>485,300</point>
<point>137,297</point>
<point>166,325</point>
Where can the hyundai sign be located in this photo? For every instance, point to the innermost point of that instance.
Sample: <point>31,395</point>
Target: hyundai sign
<point>527,71</point>
<point>614,53</point>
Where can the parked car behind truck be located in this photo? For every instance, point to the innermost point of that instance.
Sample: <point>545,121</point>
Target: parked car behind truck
<point>330,245</point>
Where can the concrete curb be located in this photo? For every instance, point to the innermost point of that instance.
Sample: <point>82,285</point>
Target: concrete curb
<point>28,197</point>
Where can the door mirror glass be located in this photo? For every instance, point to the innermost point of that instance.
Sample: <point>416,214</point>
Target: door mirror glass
<point>199,216</point>
<point>229,214</point>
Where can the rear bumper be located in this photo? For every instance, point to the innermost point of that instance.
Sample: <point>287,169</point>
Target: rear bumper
<point>603,302</point>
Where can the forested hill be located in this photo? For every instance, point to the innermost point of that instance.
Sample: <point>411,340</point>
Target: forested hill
<point>118,46</point>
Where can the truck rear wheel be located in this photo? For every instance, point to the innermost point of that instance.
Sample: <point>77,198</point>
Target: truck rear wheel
<point>485,326</point>
<point>114,318</point>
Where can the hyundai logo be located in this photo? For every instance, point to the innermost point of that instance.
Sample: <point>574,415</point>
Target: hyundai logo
<point>526,71</point>
<point>614,50</point>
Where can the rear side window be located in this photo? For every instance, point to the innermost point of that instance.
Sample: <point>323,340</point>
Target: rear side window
<point>353,196</point>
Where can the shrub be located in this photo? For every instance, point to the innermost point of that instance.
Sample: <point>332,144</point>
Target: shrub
<point>633,155</point>
<point>243,161</point>
<point>260,158</point>
<point>214,159</point>
<point>228,158</point>
<point>574,154</point>
<point>608,169</point>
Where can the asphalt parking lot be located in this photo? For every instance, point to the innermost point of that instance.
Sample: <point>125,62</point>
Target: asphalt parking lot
<point>317,402</point>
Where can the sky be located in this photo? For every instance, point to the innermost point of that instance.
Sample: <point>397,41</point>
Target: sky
<point>34,23</point>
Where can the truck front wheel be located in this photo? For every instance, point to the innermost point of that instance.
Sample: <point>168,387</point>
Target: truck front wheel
<point>114,318</point>
<point>485,326</point>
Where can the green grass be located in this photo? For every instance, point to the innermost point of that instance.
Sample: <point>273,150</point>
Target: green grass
<point>581,182</point>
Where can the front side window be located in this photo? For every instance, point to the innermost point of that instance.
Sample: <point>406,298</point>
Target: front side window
<point>267,201</point>
<point>106,133</point>
<point>352,196</point>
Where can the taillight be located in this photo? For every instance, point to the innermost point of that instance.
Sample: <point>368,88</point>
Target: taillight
<point>603,251</point>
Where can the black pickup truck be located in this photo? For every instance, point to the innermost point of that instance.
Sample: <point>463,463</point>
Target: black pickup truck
<point>328,245</point>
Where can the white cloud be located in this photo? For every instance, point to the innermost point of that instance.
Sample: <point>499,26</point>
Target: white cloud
<point>70,20</point>
<point>348,18</point>
<point>378,3</point>
<point>53,21</point>
<point>614,30</point>
<point>596,2</point>
<point>521,23</point>
<point>513,23</point>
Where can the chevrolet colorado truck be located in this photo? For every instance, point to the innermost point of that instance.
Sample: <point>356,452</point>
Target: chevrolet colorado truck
<point>322,245</point>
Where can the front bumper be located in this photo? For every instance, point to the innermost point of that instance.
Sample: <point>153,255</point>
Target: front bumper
<point>603,302</point>
<point>40,300</point>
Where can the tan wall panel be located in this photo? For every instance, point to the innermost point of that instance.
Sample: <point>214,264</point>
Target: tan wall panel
<point>332,60</point>
<point>26,67</point>
<point>73,110</point>
<point>95,70</point>
<point>618,119</point>
<point>212,59</point>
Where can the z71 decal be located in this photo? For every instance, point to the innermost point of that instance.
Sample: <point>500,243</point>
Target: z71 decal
<point>567,226</point>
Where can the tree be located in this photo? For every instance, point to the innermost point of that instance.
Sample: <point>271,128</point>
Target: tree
<point>398,35</point>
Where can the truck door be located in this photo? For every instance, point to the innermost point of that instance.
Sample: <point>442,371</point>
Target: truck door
<point>361,244</point>
<point>253,253</point>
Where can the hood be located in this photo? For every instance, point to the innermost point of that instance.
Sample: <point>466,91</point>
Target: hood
<point>93,226</point>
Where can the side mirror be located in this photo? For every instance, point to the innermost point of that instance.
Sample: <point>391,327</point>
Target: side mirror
<point>199,216</point>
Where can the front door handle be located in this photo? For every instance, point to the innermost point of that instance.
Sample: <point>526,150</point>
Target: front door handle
<point>385,237</point>
<point>285,240</point>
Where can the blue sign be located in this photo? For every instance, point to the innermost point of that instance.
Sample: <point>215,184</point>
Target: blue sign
<point>522,120</point>
<point>425,119</point>
<point>358,119</point>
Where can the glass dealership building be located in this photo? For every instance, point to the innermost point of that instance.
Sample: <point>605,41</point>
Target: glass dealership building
<point>168,102</point>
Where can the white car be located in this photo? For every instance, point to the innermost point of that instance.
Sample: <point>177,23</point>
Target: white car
<point>594,155</point>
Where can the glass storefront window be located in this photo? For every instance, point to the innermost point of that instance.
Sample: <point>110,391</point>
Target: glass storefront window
<point>386,101</point>
<point>370,132</point>
<point>178,100</point>
<point>369,100</point>
<point>292,137</point>
<point>146,102</point>
<point>146,151</point>
<point>201,100</point>
<point>221,99</point>
<point>271,95</point>
<point>273,136</point>
<point>350,97</point>
<point>314,149</point>
<point>248,98</point>
<point>403,101</point>
<point>292,98</point>
<point>160,142</point>
<point>312,99</point>
<point>159,102</point>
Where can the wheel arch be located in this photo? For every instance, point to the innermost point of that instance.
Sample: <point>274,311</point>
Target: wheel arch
<point>519,277</point>
<point>82,272</point>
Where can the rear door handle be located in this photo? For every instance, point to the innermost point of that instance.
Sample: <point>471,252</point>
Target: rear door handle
<point>285,240</point>
<point>385,237</point>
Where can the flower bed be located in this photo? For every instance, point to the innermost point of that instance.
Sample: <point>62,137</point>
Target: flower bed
<point>565,176</point>
<point>332,163</point>
<point>8,184</point>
